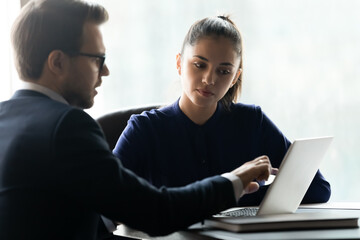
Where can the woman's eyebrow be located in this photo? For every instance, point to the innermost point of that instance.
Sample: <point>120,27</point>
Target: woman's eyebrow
<point>227,64</point>
<point>201,57</point>
<point>205,59</point>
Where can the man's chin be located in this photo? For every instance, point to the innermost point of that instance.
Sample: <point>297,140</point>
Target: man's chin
<point>89,105</point>
<point>83,104</point>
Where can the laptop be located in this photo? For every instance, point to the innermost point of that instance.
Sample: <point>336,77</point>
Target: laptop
<point>295,175</point>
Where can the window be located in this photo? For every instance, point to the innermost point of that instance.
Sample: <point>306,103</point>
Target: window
<point>301,66</point>
<point>10,10</point>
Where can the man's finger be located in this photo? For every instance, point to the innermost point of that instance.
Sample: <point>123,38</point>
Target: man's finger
<point>251,187</point>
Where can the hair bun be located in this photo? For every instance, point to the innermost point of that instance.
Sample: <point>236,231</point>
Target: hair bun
<point>223,17</point>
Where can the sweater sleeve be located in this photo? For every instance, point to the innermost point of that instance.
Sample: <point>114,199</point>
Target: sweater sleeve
<point>274,144</point>
<point>132,146</point>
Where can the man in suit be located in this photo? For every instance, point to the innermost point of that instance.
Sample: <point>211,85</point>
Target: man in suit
<point>58,177</point>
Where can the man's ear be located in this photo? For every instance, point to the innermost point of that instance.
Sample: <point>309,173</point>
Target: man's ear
<point>178,63</point>
<point>57,62</point>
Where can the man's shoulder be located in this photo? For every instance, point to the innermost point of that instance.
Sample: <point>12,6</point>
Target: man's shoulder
<point>59,111</point>
<point>37,107</point>
<point>36,100</point>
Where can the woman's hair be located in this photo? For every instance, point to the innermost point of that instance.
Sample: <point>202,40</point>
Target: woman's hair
<point>218,26</point>
<point>41,28</point>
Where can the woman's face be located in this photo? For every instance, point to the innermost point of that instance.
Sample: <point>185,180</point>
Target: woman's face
<point>207,71</point>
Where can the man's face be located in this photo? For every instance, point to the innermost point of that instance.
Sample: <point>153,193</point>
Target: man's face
<point>84,73</point>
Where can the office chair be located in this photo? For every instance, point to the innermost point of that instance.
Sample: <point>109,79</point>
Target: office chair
<point>114,123</point>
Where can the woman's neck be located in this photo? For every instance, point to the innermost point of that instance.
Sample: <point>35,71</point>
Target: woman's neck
<point>198,114</point>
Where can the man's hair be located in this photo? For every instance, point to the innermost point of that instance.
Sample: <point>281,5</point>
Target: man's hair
<point>47,25</point>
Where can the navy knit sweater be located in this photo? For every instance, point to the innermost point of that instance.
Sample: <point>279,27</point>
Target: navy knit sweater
<point>165,147</point>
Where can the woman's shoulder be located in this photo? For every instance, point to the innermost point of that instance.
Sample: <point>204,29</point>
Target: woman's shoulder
<point>155,116</point>
<point>239,108</point>
<point>248,113</point>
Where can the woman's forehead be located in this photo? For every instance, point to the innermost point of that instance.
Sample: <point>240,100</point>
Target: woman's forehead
<point>213,48</point>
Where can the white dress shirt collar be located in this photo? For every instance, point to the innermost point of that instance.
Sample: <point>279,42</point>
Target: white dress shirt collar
<point>44,90</point>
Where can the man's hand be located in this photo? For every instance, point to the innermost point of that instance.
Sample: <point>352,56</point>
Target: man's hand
<point>258,169</point>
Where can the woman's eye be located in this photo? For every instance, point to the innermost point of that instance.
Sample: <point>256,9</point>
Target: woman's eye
<point>224,71</point>
<point>198,65</point>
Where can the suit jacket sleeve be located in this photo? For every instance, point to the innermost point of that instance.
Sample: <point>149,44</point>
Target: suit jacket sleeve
<point>88,173</point>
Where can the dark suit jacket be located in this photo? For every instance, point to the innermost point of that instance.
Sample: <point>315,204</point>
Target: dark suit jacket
<point>57,175</point>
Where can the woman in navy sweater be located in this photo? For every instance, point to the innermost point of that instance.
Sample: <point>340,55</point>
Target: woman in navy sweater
<point>205,132</point>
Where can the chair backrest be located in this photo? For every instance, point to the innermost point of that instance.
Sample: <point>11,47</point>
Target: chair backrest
<point>113,124</point>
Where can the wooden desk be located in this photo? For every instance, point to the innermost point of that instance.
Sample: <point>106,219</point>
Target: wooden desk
<point>211,234</point>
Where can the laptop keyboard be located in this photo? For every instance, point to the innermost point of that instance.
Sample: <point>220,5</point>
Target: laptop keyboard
<point>240,212</point>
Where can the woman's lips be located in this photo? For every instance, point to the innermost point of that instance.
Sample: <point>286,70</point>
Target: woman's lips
<point>205,93</point>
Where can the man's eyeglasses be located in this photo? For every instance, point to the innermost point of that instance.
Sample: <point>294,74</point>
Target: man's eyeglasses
<point>100,57</point>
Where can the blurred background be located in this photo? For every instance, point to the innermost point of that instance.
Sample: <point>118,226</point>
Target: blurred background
<point>301,65</point>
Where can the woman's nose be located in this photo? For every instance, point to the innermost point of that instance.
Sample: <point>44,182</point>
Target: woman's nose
<point>209,78</point>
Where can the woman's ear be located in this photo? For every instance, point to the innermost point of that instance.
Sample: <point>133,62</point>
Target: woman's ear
<point>236,77</point>
<point>56,62</point>
<point>178,63</point>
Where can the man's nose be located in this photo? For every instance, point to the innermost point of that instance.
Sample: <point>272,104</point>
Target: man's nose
<point>105,71</point>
